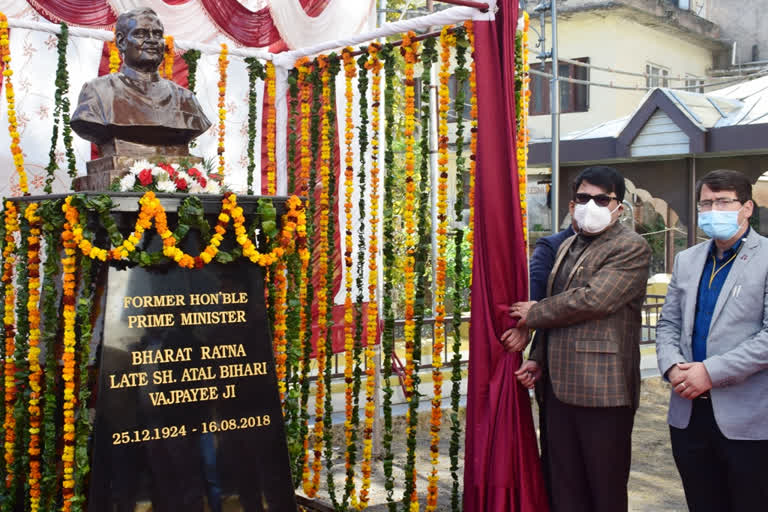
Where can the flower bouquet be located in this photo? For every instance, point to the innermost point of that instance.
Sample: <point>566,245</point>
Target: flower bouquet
<point>169,178</point>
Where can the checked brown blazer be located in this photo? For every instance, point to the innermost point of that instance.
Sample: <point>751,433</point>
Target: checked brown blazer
<point>593,326</point>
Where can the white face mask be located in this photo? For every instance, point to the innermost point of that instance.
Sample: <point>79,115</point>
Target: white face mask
<point>592,218</point>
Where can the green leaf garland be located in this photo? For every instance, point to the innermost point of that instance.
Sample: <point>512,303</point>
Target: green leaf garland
<point>191,57</point>
<point>388,335</point>
<point>334,67</point>
<point>61,114</point>
<point>53,220</point>
<point>462,76</point>
<point>293,115</point>
<point>255,72</point>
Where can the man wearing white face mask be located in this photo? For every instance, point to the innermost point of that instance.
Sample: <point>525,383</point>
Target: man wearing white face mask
<point>712,346</point>
<point>590,356</point>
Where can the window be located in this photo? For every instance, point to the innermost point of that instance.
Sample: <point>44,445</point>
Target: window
<point>656,76</point>
<point>693,84</point>
<point>573,97</point>
<point>684,4</point>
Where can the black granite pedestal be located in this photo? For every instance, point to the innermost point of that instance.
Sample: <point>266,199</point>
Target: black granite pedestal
<point>187,410</point>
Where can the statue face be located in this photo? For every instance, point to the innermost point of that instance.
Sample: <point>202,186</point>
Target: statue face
<point>143,44</point>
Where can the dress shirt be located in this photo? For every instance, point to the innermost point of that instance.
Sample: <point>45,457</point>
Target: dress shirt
<point>712,280</point>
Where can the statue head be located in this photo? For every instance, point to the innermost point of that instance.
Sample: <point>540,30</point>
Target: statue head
<point>139,38</point>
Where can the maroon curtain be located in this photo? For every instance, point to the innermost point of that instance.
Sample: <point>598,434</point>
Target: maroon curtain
<point>501,468</point>
<point>251,28</point>
<point>88,13</point>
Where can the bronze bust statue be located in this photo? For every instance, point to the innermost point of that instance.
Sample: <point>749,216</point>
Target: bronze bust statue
<point>135,104</point>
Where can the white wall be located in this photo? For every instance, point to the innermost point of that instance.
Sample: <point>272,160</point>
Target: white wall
<point>615,41</point>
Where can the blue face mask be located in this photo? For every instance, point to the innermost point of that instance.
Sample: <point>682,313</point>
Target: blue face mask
<point>718,224</point>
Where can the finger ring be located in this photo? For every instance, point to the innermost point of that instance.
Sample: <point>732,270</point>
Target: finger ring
<point>683,384</point>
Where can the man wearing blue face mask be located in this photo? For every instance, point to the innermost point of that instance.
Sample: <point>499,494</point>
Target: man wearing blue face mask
<point>712,346</point>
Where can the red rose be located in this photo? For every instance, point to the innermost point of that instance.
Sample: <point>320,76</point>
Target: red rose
<point>192,171</point>
<point>202,181</point>
<point>145,177</point>
<point>167,168</point>
<point>180,184</point>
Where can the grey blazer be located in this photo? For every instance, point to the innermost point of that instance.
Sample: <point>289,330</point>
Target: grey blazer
<point>737,346</point>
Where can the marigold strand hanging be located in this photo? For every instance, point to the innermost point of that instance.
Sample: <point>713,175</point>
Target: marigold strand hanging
<point>462,75</point>
<point>69,266</point>
<point>9,259</point>
<point>114,57</point>
<point>13,127</point>
<point>374,65</point>
<point>304,69</point>
<point>35,371</point>
<point>271,124</point>
<point>409,51</point>
<point>473,142</point>
<point>322,290</point>
<point>223,63</point>
<point>168,57</point>
<point>350,70</point>
<point>280,328</point>
<point>523,95</point>
<point>447,41</point>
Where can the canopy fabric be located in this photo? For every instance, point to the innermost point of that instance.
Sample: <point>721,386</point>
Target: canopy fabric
<point>283,24</point>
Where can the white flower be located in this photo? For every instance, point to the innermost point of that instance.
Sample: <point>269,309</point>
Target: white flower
<point>212,187</point>
<point>127,182</point>
<point>157,171</point>
<point>166,186</point>
<point>139,166</point>
<point>195,188</point>
<point>175,167</point>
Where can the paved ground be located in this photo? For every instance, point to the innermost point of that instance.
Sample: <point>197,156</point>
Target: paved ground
<point>654,483</point>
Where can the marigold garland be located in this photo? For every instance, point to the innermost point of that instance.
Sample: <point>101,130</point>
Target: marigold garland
<point>409,51</point>
<point>13,126</point>
<point>152,210</point>
<point>35,371</point>
<point>279,341</point>
<point>462,75</point>
<point>305,183</point>
<point>168,57</point>
<point>362,180</point>
<point>303,67</point>
<point>350,71</point>
<point>114,57</point>
<point>373,63</point>
<point>9,259</point>
<point>69,266</point>
<point>523,96</point>
<point>473,140</point>
<point>223,63</point>
<point>447,41</point>
<point>321,294</point>
<point>271,125</point>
